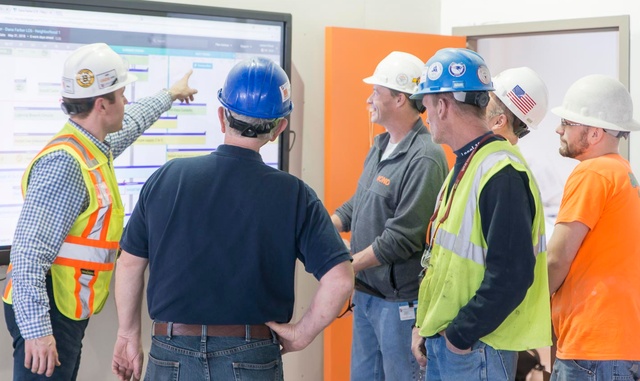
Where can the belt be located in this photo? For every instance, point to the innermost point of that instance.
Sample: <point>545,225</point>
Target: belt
<point>259,331</point>
<point>363,287</point>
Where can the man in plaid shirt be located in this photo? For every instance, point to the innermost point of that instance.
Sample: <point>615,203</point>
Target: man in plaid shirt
<point>46,342</point>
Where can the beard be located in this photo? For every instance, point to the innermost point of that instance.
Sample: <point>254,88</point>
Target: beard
<point>574,150</point>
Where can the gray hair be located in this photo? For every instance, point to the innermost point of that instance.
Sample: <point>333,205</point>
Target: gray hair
<point>500,108</point>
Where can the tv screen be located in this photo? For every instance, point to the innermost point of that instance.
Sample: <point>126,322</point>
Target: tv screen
<point>161,42</point>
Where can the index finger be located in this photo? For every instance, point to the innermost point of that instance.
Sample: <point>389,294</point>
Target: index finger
<point>188,74</point>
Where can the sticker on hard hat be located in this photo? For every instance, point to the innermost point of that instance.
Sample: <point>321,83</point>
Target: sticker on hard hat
<point>67,85</point>
<point>434,72</point>
<point>85,78</point>
<point>457,69</point>
<point>483,75</point>
<point>402,79</point>
<point>107,79</point>
<point>285,92</point>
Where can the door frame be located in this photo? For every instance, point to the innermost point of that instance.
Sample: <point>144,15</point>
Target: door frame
<point>594,24</point>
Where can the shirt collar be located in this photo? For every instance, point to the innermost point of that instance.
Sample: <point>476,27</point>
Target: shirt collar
<point>241,152</point>
<point>104,147</point>
<point>403,146</point>
<point>468,148</point>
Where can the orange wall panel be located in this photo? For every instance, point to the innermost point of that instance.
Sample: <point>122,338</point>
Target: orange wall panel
<point>350,56</point>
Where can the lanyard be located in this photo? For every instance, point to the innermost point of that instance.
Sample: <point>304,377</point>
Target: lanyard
<point>427,253</point>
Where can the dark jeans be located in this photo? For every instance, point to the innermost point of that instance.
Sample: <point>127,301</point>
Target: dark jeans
<point>68,334</point>
<point>207,358</point>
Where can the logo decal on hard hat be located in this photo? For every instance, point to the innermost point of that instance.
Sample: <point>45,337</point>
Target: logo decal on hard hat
<point>402,79</point>
<point>457,69</point>
<point>85,78</point>
<point>285,91</point>
<point>483,75</point>
<point>521,99</point>
<point>435,71</point>
<point>107,79</point>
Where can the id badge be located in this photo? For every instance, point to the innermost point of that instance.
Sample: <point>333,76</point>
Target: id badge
<point>408,310</point>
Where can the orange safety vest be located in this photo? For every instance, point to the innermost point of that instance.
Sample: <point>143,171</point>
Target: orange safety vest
<point>82,270</point>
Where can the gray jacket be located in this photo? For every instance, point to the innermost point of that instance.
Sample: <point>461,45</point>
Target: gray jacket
<point>391,209</point>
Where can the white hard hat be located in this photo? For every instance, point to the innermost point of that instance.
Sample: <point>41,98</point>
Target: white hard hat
<point>398,71</point>
<point>599,101</point>
<point>525,94</point>
<point>94,70</point>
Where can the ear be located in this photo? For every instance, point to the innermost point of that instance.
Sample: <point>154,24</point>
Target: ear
<point>221,118</point>
<point>100,104</point>
<point>281,127</point>
<point>595,135</point>
<point>401,99</point>
<point>443,108</point>
<point>501,121</point>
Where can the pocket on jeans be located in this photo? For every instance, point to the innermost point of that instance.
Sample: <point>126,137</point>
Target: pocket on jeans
<point>245,371</point>
<point>474,349</point>
<point>161,370</point>
<point>626,370</point>
<point>584,366</point>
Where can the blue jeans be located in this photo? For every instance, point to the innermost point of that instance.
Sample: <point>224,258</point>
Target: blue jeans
<point>381,347</point>
<point>68,334</point>
<point>483,363</point>
<point>206,358</point>
<point>583,370</point>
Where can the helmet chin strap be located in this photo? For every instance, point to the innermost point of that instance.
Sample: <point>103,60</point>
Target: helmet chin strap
<point>250,130</point>
<point>475,98</point>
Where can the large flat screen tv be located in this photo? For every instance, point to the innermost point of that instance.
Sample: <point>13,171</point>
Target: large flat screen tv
<point>161,42</point>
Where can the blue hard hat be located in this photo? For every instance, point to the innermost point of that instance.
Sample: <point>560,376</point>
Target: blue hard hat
<point>257,87</point>
<point>454,70</point>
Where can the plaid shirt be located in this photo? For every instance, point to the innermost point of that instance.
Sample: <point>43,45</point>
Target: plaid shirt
<point>56,195</point>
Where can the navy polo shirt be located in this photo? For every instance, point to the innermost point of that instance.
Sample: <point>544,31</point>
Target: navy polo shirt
<point>222,233</point>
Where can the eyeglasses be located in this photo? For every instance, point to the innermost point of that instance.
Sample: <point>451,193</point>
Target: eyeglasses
<point>614,133</point>
<point>564,123</point>
<point>520,129</point>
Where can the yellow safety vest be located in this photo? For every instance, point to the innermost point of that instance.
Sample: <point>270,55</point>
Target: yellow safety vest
<point>82,270</point>
<point>457,265</point>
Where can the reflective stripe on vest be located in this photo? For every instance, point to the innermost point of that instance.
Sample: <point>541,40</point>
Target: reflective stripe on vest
<point>458,259</point>
<point>96,229</point>
<point>461,244</point>
<point>84,265</point>
<point>7,289</point>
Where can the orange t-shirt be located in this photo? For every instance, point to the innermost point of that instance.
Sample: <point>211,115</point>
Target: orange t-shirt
<point>596,311</point>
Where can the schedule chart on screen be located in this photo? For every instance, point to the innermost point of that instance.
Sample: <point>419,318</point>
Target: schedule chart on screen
<point>34,43</point>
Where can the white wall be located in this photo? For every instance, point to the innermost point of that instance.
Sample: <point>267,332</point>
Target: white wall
<point>468,13</point>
